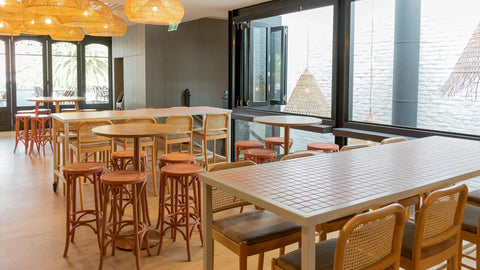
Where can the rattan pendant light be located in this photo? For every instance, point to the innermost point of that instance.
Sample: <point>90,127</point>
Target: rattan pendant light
<point>159,12</point>
<point>9,28</point>
<point>69,34</point>
<point>96,15</point>
<point>117,27</point>
<point>57,7</point>
<point>11,6</point>
<point>38,24</point>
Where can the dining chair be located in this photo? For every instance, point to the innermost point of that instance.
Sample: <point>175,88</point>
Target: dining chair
<point>215,127</point>
<point>89,144</point>
<point>471,228</point>
<point>393,140</point>
<point>185,135</point>
<point>368,241</point>
<point>435,236</point>
<point>352,147</point>
<point>249,233</point>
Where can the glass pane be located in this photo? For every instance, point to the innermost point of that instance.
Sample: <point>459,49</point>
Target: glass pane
<point>259,64</point>
<point>419,68</point>
<point>3,76</point>
<point>64,69</point>
<point>96,74</point>
<point>276,78</point>
<point>28,71</point>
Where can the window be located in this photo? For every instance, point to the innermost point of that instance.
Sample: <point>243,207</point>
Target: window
<point>29,71</point>
<point>64,69</point>
<point>97,74</point>
<point>416,65</point>
<point>3,75</point>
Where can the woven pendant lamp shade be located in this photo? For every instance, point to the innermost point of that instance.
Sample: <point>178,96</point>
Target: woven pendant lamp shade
<point>70,34</point>
<point>117,27</point>
<point>96,15</point>
<point>57,7</point>
<point>10,28</point>
<point>11,7</point>
<point>159,12</point>
<point>38,24</point>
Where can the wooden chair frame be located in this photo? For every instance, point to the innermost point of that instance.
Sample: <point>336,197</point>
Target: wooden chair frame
<point>473,238</point>
<point>393,140</point>
<point>214,122</point>
<point>185,129</point>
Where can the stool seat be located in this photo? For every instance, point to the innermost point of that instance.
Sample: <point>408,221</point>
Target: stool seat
<point>182,169</point>
<point>177,158</point>
<point>40,111</point>
<point>249,144</point>
<point>84,168</point>
<point>124,177</point>
<point>325,147</point>
<point>128,154</point>
<point>260,156</point>
<point>277,140</point>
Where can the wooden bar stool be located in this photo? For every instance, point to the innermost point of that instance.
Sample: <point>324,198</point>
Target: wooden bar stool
<point>277,141</point>
<point>324,147</point>
<point>90,171</point>
<point>183,209</point>
<point>175,158</point>
<point>41,134</point>
<point>243,145</point>
<point>115,184</point>
<point>121,159</point>
<point>22,136</point>
<point>260,156</point>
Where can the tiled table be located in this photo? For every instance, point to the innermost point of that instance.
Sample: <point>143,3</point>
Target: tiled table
<point>320,188</point>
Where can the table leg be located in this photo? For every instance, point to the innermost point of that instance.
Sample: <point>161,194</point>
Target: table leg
<point>76,106</point>
<point>66,150</point>
<point>57,107</point>
<point>229,138</point>
<point>287,140</point>
<point>308,248</point>
<point>207,217</point>
<point>37,104</point>
<point>55,155</point>
<point>136,153</point>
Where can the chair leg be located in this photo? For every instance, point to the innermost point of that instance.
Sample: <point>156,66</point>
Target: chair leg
<point>205,155</point>
<point>154,168</point>
<point>214,151</point>
<point>261,258</point>
<point>80,186</point>
<point>242,259</point>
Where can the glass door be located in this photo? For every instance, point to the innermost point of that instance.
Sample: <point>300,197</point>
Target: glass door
<point>5,91</point>
<point>28,71</point>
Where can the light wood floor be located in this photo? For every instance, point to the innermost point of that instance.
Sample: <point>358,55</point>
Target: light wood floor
<point>32,227</point>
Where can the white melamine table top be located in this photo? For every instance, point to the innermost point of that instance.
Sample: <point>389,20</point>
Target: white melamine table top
<point>117,115</point>
<point>320,188</point>
<point>287,120</point>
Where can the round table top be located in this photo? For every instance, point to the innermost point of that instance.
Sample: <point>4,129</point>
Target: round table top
<point>55,99</point>
<point>287,120</point>
<point>135,130</point>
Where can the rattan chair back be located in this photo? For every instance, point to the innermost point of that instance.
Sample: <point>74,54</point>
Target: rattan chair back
<point>141,120</point>
<point>352,147</point>
<point>297,155</point>
<point>216,122</point>
<point>85,134</point>
<point>184,122</point>
<point>372,240</point>
<point>393,140</point>
<point>222,200</point>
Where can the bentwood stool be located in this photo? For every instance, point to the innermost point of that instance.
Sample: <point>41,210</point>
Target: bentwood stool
<point>22,136</point>
<point>115,184</point>
<point>41,133</point>
<point>73,173</point>
<point>243,145</point>
<point>121,159</point>
<point>40,111</point>
<point>175,158</point>
<point>183,209</point>
<point>277,141</point>
<point>324,147</point>
<point>260,156</point>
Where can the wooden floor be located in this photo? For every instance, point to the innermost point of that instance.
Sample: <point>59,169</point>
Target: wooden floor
<point>32,227</point>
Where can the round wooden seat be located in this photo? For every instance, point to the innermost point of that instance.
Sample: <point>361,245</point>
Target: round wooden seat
<point>182,169</point>
<point>172,158</point>
<point>260,156</point>
<point>121,159</point>
<point>127,154</point>
<point>243,145</point>
<point>324,147</point>
<point>84,168</point>
<point>124,178</point>
<point>276,141</point>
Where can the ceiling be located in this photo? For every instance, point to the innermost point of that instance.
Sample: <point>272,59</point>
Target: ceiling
<point>194,9</point>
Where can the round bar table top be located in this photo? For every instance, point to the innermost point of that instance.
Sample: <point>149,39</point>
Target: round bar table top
<point>135,130</point>
<point>287,120</point>
<point>55,99</point>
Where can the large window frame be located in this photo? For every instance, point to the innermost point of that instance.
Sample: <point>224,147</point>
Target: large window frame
<point>341,65</point>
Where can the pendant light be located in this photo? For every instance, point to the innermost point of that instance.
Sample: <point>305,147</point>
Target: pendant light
<point>96,14</point>
<point>117,27</point>
<point>11,10</point>
<point>10,28</point>
<point>69,34</point>
<point>57,7</point>
<point>159,12</point>
<point>38,24</point>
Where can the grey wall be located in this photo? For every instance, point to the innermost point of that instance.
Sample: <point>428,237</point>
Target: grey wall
<point>194,57</point>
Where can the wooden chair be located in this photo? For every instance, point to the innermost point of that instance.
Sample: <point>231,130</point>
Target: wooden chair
<point>393,140</point>
<point>89,144</point>
<point>471,227</point>
<point>435,237</point>
<point>185,135</point>
<point>353,146</point>
<point>249,233</point>
<point>215,128</point>
<point>370,241</point>
<point>127,144</point>
<point>298,155</point>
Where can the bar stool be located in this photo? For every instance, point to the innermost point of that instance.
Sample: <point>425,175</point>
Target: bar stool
<point>324,147</point>
<point>183,210</point>
<point>115,184</point>
<point>91,171</point>
<point>243,145</point>
<point>22,136</point>
<point>41,134</point>
<point>277,141</point>
<point>121,159</point>
<point>260,156</point>
<point>175,158</point>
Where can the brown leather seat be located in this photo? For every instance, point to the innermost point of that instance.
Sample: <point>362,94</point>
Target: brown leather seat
<point>210,133</point>
<point>474,197</point>
<point>255,227</point>
<point>408,240</point>
<point>324,256</point>
<point>470,218</point>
